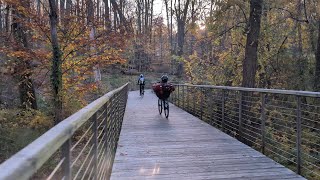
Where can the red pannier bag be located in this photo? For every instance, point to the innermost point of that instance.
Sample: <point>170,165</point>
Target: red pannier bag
<point>163,90</point>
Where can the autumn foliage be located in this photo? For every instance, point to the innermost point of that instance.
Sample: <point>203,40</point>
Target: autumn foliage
<point>80,54</point>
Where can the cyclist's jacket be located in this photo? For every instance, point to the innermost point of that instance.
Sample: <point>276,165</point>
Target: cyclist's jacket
<point>141,81</point>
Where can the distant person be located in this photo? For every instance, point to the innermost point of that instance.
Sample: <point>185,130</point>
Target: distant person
<point>141,82</point>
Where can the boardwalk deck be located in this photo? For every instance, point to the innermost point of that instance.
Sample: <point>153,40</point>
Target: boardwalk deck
<point>183,147</point>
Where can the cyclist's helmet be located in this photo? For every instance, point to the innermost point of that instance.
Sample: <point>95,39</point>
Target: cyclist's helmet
<point>141,75</point>
<point>164,78</point>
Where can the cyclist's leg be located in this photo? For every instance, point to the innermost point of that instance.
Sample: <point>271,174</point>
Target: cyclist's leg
<point>166,108</point>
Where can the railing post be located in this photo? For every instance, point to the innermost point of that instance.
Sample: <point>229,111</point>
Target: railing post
<point>194,103</point>
<point>188,99</point>
<point>222,110</point>
<point>213,120</point>
<point>178,96</point>
<point>173,98</point>
<point>95,145</point>
<point>106,129</point>
<point>240,114</point>
<point>201,103</point>
<point>263,122</point>
<point>298,134</point>
<point>183,97</point>
<point>66,166</point>
<point>110,117</point>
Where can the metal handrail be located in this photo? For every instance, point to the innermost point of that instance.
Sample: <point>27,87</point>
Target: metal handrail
<point>282,124</point>
<point>26,162</point>
<point>261,90</point>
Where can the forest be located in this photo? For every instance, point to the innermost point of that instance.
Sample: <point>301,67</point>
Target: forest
<point>56,56</point>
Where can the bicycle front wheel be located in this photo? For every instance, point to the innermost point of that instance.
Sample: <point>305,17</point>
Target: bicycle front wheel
<point>160,106</point>
<point>166,108</point>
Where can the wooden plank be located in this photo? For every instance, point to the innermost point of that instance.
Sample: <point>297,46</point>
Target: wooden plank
<point>184,147</point>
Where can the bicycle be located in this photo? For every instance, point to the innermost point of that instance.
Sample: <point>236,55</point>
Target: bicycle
<point>141,89</point>
<point>163,104</point>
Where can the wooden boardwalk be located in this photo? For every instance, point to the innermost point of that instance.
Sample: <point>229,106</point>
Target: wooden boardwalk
<point>184,147</point>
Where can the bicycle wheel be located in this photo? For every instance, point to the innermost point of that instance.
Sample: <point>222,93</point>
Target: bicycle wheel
<point>140,90</point>
<point>160,106</point>
<point>166,108</point>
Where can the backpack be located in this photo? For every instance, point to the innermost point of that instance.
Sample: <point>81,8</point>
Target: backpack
<point>141,80</point>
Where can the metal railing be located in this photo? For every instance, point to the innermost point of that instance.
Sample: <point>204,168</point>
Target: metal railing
<point>282,124</point>
<point>82,146</point>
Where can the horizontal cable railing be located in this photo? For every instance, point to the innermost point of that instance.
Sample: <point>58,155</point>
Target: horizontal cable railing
<point>82,146</point>
<point>282,124</point>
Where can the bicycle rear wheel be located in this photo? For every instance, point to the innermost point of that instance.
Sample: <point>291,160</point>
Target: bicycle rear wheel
<point>160,106</point>
<point>166,108</point>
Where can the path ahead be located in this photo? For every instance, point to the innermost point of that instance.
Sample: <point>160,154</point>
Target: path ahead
<point>183,147</point>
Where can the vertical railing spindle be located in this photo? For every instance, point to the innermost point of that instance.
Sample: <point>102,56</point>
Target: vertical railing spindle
<point>188,99</point>
<point>66,166</point>
<point>95,145</point>
<point>263,121</point>
<point>240,114</point>
<point>212,100</point>
<point>183,107</point>
<point>106,130</point>
<point>223,110</point>
<point>178,96</point>
<point>298,135</point>
<point>194,101</point>
<point>201,103</point>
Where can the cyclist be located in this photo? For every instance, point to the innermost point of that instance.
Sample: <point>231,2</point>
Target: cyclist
<point>166,88</point>
<point>163,90</point>
<point>141,82</point>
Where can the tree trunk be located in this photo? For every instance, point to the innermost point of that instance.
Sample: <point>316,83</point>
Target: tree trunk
<point>139,17</point>
<point>107,16</point>
<point>121,15</point>
<point>7,19</point>
<point>56,77</point>
<point>193,24</point>
<point>90,15</point>
<point>38,7</point>
<point>171,32</point>
<point>96,68</point>
<point>0,17</point>
<point>77,9</point>
<point>299,51</point>
<point>317,68</point>
<point>151,21</point>
<point>181,22</point>
<point>115,16</point>
<point>26,87</point>
<point>146,16</point>
<point>168,21</point>
<point>98,11</point>
<point>68,7</point>
<point>251,52</point>
<point>181,35</point>
<point>62,8</point>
